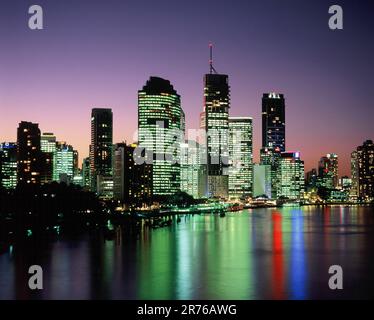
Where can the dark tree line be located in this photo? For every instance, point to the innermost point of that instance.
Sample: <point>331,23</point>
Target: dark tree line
<point>40,208</point>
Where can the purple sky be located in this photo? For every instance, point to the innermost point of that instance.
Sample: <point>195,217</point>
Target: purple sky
<point>100,53</point>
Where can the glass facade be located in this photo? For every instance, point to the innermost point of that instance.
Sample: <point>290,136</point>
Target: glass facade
<point>270,156</point>
<point>290,176</point>
<point>216,108</point>
<point>101,147</point>
<point>64,164</point>
<point>365,164</point>
<point>240,157</point>
<point>29,162</point>
<point>48,148</point>
<point>8,165</point>
<point>86,173</point>
<point>262,180</point>
<point>193,171</point>
<point>354,176</point>
<point>273,121</point>
<point>160,133</point>
<point>328,171</point>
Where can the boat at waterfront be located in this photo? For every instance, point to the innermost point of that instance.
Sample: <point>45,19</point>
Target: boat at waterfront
<point>262,203</point>
<point>236,207</point>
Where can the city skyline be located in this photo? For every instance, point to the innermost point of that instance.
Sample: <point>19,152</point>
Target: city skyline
<point>186,152</point>
<point>41,75</point>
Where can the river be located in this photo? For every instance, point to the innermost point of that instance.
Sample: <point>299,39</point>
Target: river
<point>274,253</point>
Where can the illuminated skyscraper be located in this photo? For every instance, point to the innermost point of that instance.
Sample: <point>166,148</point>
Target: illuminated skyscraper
<point>48,148</point>
<point>76,162</point>
<point>8,165</point>
<point>193,171</point>
<point>86,173</point>
<point>365,163</point>
<point>28,153</point>
<point>64,163</point>
<point>328,171</point>
<point>262,180</point>
<point>270,156</point>
<point>240,157</point>
<point>354,176</point>
<point>132,182</point>
<point>215,120</point>
<point>101,147</point>
<point>290,176</point>
<point>311,179</point>
<point>161,131</point>
<point>273,121</point>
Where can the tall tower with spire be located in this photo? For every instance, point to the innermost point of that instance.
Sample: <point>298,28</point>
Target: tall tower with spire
<point>215,121</point>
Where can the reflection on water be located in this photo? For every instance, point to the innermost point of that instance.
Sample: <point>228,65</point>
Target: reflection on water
<point>255,254</point>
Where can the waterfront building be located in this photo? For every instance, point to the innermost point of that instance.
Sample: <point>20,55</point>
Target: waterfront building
<point>346,183</point>
<point>290,176</point>
<point>160,133</point>
<point>104,187</point>
<point>64,163</point>
<point>354,176</point>
<point>101,148</point>
<point>311,180</point>
<point>262,180</point>
<point>328,171</point>
<point>132,182</point>
<point>365,164</point>
<point>8,165</point>
<point>273,121</point>
<point>86,173</point>
<point>215,121</point>
<point>29,157</point>
<point>240,157</point>
<point>48,148</point>
<point>193,171</point>
<point>78,178</point>
<point>270,156</point>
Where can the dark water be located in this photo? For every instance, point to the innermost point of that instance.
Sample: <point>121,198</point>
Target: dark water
<point>255,254</point>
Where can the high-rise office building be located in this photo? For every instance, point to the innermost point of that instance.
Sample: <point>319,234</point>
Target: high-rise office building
<point>28,153</point>
<point>240,157</point>
<point>48,142</point>
<point>76,163</point>
<point>311,179</point>
<point>101,148</point>
<point>132,182</point>
<point>78,178</point>
<point>354,176</point>
<point>290,176</point>
<point>160,133</point>
<point>193,171</point>
<point>104,187</point>
<point>215,120</point>
<point>262,180</point>
<point>86,173</point>
<point>365,163</point>
<point>48,148</point>
<point>270,156</point>
<point>346,183</point>
<point>273,121</point>
<point>119,171</point>
<point>64,163</point>
<point>328,171</point>
<point>8,165</point>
